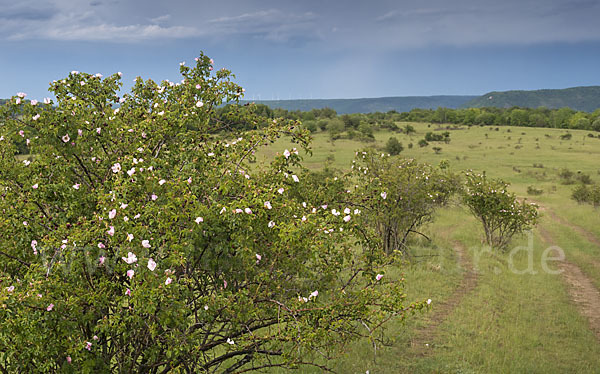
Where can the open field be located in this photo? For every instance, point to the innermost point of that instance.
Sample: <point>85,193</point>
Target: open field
<point>494,312</point>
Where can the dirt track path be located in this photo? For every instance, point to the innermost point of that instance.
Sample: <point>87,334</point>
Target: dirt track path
<point>578,229</point>
<point>580,287</point>
<point>421,344</point>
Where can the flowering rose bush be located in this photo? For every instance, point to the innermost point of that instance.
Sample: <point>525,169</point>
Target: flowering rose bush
<point>399,195</point>
<point>134,239</point>
<point>501,213</point>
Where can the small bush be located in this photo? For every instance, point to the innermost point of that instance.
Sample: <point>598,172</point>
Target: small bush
<point>500,212</point>
<point>423,143</point>
<point>566,136</point>
<point>393,146</point>
<point>581,194</point>
<point>583,178</point>
<point>531,190</point>
<point>566,176</point>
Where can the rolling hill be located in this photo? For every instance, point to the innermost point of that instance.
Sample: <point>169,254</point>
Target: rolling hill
<point>579,98</point>
<point>369,105</point>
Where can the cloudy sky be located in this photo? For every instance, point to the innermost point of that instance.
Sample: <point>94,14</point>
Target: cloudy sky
<point>308,48</point>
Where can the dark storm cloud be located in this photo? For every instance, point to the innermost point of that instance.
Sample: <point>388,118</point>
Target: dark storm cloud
<point>380,24</point>
<point>26,12</point>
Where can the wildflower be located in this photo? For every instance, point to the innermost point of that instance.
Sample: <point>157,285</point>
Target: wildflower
<point>378,277</point>
<point>50,307</point>
<point>384,195</point>
<point>347,218</point>
<point>230,342</point>
<point>286,153</point>
<point>146,244</point>
<point>66,138</point>
<point>199,104</point>
<point>168,281</point>
<point>271,224</point>
<point>295,178</point>
<point>161,182</point>
<point>36,117</point>
<point>116,168</point>
<point>151,264</point>
<point>130,273</point>
<point>112,214</point>
<point>111,231</point>
<point>130,259</point>
<point>199,219</point>
<point>76,186</point>
<point>280,191</point>
<point>268,205</point>
<point>129,237</point>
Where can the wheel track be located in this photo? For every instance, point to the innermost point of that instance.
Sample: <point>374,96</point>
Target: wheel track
<point>582,291</point>
<point>425,336</point>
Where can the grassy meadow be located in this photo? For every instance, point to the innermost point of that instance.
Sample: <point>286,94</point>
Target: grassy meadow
<point>516,317</point>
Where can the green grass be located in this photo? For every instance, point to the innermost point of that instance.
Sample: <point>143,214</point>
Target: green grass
<point>510,322</point>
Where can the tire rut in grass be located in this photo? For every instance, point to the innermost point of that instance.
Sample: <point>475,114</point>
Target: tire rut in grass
<point>578,229</point>
<point>580,288</point>
<point>424,337</point>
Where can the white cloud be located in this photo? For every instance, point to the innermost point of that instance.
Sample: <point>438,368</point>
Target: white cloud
<point>273,25</point>
<point>161,19</point>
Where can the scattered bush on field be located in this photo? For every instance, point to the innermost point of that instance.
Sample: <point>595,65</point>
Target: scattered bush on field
<point>399,195</point>
<point>502,215</point>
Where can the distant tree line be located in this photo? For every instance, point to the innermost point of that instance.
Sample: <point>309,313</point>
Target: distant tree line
<point>326,119</point>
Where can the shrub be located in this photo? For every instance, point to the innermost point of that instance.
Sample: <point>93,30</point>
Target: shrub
<point>437,150</point>
<point>399,195</point>
<point>584,194</point>
<point>366,131</point>
<point>134,244</point>
<point>500,212</point>
<point>323,124</point>
<point>566,176</point>
<point>423,143</point>
<point>393,146</point>
<point>584,178</point>
<point>431,137</point>
<point>566,136</point>
<point>581,194</point>
<point>532,190</point>
<point>310,126</point>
